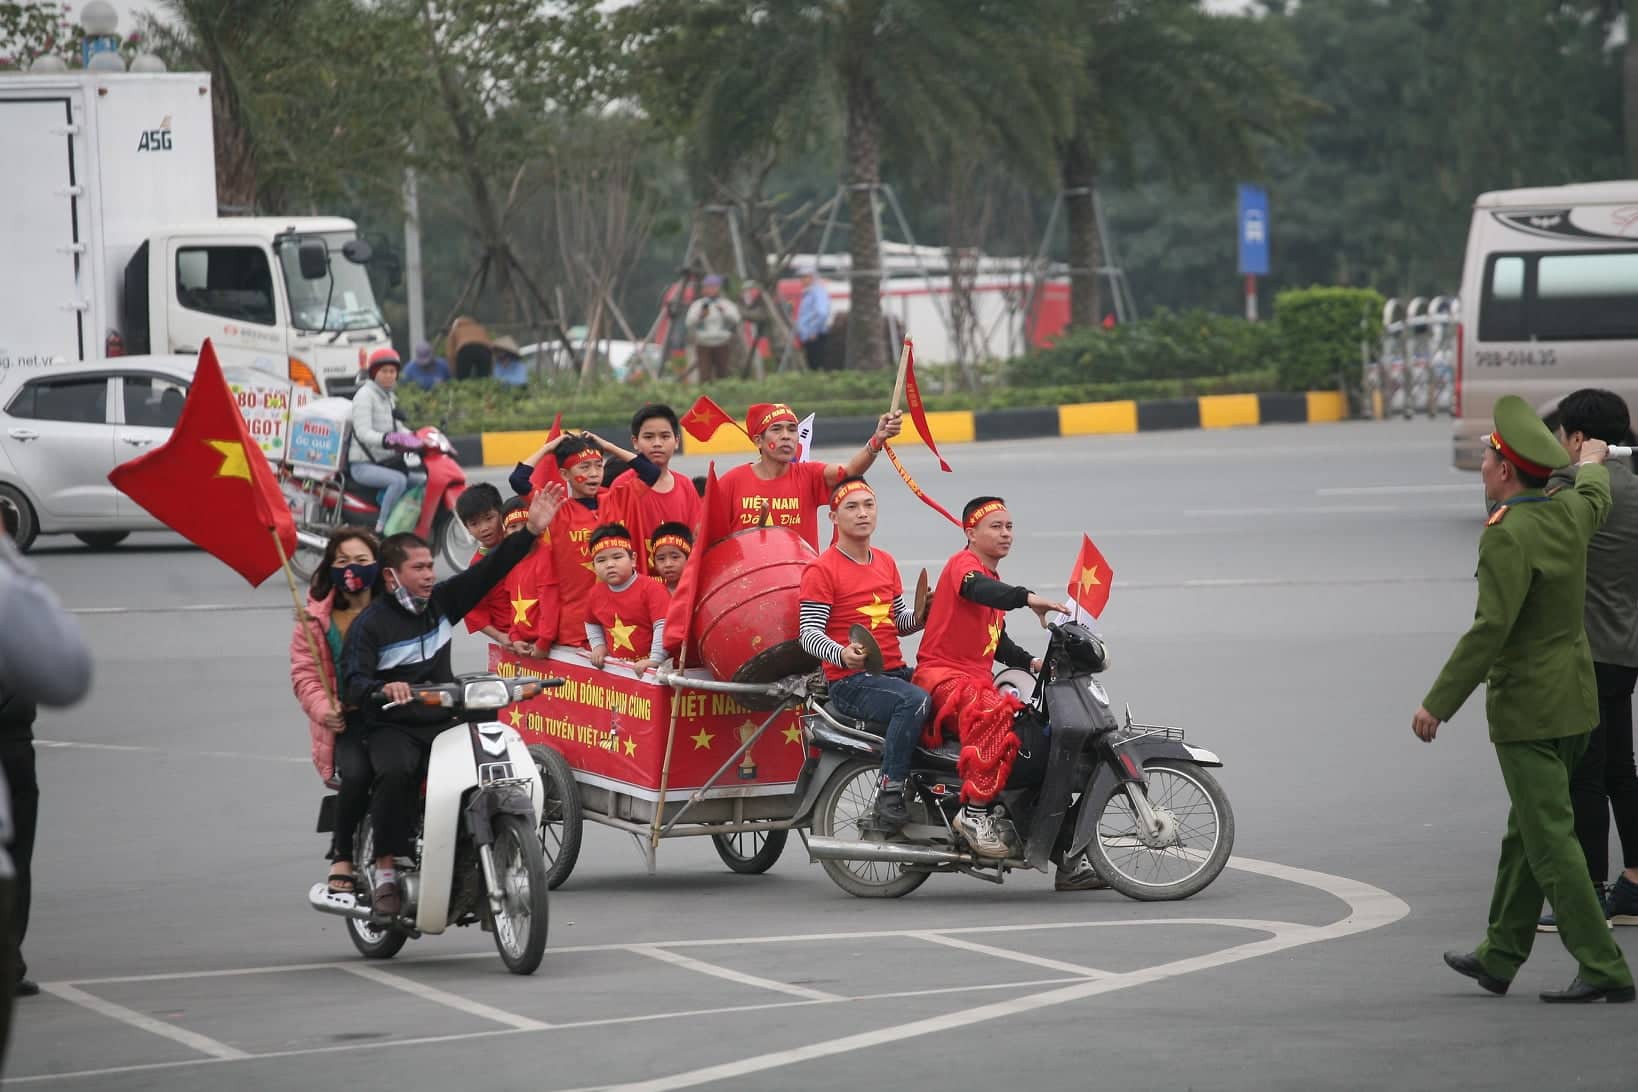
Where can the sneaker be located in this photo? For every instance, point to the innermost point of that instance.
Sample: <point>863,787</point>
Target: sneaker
<point>1548,922</point>
<point>1621,905</point>
<point>1078,875</point>
<point>979,828</point>
<point>890,813</point>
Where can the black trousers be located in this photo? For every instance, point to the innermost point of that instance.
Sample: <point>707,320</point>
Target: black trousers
<point>1605,779</point>
<point>17,757</point>
<point>357,775</point>
<point>400,759</point>
<point>815,352</point>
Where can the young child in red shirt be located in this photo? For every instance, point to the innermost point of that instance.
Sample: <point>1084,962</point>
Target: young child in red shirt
<point>625,614</point>
<point>668,553</point>
<point>479,510</point>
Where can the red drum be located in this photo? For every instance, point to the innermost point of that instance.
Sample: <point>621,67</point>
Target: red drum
<point>749,606</point>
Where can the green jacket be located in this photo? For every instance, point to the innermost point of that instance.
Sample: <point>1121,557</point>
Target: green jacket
<point>1528,643</point>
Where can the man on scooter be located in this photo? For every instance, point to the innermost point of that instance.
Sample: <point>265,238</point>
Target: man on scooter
<point>371,460</point>
<point>850,585</point>
<point>404,640</point>
<point>966,635</point>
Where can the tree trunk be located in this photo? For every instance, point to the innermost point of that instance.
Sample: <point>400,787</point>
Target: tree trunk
<point>1629,89</point>
<point>1085,250</point>
<point>864,323</point>
<point>716,244</point>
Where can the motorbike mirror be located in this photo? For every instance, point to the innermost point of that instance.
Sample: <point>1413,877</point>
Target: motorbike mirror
<point>313,258</point>
<point>357,251</point>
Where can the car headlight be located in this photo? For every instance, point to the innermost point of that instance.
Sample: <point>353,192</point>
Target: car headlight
<point>486,694</point>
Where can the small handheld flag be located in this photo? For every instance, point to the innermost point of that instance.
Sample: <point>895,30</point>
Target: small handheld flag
<point>1091,580</point>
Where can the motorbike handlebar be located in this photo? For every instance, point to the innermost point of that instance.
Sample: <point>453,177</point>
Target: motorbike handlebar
<point>1621,451</point>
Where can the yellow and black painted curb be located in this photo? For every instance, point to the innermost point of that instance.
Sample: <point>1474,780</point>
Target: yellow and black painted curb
<point>969,426</point>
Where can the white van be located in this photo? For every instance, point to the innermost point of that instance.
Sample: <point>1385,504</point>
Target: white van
<point>1549,302</point>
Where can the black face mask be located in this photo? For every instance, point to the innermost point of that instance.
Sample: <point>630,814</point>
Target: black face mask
<point>354,578</point>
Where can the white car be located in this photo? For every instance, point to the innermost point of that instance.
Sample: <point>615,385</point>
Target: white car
<point>64,427</point>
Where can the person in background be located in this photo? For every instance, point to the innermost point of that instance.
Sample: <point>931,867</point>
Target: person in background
<point>425,369</point>
<point>345,582</point>
<point>43,661</point>
<point>813,318</point>
<point>668,553</point>
<point>370,460</point>
<point>713,328</point>
<point>508,367</point>
<point>1604,779</point>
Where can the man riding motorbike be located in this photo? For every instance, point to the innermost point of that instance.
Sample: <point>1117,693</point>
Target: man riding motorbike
<point>372,460</point>
<point>404,640</point>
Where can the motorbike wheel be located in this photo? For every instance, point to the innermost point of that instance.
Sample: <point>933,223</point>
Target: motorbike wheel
<point>451,538</point>
<point>847,798</point>
<point>520,867</point>
<point>306,559</point>
<point>750,852</point>
<point>372,941</point>
<point>1200,841</point>
<point>561,819</point>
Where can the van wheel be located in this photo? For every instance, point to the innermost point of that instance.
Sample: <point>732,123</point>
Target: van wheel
<point>102,540</point>
<point>18,516</point>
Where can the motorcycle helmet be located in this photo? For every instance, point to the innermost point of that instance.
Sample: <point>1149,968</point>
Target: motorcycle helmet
<point>380,358</point>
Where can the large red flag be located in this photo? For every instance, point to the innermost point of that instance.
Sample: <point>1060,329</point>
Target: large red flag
<point>713,526</point>
<point>1091,579</point>
<point>210,482</point>
<point>546,470</point>
<point>704,417</point>
<point>918,410</point>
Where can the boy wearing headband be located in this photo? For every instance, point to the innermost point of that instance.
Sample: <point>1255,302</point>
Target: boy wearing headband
<point>853,584</point>
<point>668,553</point>
<point>966,635</point>
<point>625,616</point>
<point>791,492</point>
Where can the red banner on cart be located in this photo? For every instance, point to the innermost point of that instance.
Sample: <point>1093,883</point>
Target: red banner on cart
<point>611,726</point>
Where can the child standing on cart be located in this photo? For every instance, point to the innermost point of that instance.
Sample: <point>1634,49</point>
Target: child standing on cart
<point>480,511</point>
<point>668,552</point>
<point>625,616</point>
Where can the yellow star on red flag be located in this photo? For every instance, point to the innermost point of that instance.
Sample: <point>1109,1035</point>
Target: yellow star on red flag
<point>235,463</point>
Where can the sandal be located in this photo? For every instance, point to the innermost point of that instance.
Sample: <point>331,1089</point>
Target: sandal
<point>342,883</point>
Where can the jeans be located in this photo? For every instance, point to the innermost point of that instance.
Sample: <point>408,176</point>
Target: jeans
<point>1604,780</point>
<point>393,484</point>
<point>890,699</point>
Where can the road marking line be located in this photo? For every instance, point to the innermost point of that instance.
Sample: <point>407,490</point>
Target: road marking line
<point>655,952</point>
<point>1019,957</point>
<point>190,1039</point>
<point>1394,490</point>
<point>445,998</point>
<point>1369,908</point>
<point>76,745</point>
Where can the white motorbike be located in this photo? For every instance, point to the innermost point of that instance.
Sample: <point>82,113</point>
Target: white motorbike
<point>478,857</point>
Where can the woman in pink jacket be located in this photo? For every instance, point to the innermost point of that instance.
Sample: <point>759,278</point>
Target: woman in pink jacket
<point>343,585</point>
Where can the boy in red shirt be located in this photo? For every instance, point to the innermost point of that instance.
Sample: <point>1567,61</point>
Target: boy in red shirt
<point>650,494</point>
<point>853,583</point>
<point>625,613</point>
<point>668,553</point>
<point>479,510</point>
<point>793,491</point>
<point>966,635</point>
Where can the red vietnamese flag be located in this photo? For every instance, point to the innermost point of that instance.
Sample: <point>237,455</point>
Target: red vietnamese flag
<point>211,484</point>
<point>546,470</point>
<point>1091,579</point>
<point>705,417</point>
<point>713,526</point>
<point>918,411</point>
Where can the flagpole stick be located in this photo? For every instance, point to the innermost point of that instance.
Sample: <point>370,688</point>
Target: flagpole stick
<point>898,384</point>
<point>665,770</point>
<point>301,620</point>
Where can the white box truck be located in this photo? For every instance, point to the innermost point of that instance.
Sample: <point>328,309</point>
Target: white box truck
<point>113,245</point>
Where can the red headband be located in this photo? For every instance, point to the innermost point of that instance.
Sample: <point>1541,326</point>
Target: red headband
<point>581,456</point>
<point>1518,460</point>
<point>764,414</point>
<point>982,511</point>
<point>516,518</point>
<point>670,540</point>
<point>613,542</point>
<point>846,490</point>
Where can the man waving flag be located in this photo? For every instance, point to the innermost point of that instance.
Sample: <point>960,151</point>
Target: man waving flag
<point>211,484</point>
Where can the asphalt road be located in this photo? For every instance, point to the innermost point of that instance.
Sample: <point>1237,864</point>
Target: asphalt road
<point>1284,593</point>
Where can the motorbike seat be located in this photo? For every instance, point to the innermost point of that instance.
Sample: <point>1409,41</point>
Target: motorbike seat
<point>943,757</point>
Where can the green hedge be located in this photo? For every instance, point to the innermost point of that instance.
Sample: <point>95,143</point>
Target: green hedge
<point>1320,330</point>
<point>1167,345</point>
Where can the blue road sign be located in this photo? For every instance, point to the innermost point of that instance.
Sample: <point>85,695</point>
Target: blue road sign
<point>1253,230</point>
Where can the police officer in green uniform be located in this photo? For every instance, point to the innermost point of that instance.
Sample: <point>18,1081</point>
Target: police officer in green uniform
<point>1529,646</point>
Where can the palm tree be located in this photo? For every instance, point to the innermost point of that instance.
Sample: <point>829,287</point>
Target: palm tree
<point>1205,91</point>
<point>925,75</point>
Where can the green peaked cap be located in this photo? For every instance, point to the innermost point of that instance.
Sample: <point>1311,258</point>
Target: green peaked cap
<point>1523,432</point>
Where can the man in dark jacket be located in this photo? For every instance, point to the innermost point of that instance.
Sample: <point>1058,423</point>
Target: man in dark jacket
<point>403,640</point>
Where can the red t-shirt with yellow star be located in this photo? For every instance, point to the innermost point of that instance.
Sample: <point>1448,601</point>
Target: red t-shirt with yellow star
<point>961,635</point>
<point>628,617</point>
<point>493,609</point>
<point>860,594</point>
<point>568,576</point>
<point>523,610</point>
<point>795,498</point>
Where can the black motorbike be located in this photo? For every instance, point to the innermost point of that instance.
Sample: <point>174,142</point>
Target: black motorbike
<point>1135,798</point>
